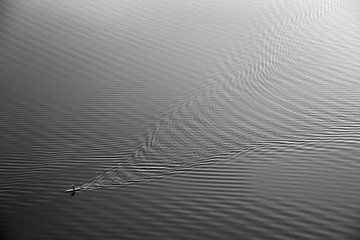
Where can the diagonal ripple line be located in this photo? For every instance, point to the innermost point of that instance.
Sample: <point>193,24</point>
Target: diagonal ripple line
<point>206,126</point>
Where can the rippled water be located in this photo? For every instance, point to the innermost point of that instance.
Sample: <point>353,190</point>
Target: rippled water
<point>230,119</point>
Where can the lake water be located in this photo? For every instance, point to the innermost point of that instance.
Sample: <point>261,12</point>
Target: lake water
<point>180,119</point>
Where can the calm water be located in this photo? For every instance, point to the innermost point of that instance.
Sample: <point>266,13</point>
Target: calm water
<point>182,119</point>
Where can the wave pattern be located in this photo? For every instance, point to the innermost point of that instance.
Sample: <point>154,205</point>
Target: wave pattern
<point>245,112</point>
<point>269,100</point>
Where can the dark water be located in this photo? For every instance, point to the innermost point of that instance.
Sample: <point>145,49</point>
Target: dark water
<point>230,119</point>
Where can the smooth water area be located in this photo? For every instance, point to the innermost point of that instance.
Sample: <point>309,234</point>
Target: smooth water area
<point>181,119</point>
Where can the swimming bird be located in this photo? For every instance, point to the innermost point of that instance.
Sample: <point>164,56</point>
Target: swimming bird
<point>73,190</point>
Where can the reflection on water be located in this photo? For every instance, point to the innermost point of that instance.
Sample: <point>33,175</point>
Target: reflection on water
<point>244,115</point>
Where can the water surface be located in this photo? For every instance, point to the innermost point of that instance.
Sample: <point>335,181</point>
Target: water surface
<point>229,119</point>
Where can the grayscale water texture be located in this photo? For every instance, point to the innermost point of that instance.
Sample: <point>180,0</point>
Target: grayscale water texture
<point>211,119</point>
